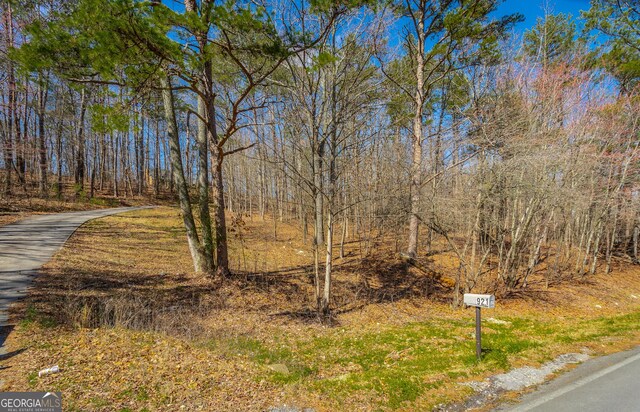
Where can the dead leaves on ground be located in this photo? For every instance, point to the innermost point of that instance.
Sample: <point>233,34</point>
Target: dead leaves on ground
<point>115,369</point>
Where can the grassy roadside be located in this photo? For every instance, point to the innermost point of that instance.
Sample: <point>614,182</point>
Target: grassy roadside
<point>410,367</point>
<point>247,346</point>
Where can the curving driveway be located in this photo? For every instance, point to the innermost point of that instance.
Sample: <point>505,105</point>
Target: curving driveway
<point>28,244</point>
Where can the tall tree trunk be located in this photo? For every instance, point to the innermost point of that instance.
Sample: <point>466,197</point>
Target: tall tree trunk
<point>21,138</point>
<point>222,252</point>
<point>206,126</point>
<point>80,158</point>
<point>262,176</point>
<point>94,167</point>
<point>326,294</point>
<point>156,162</point>
<point>636,236</point>
<point>140,156</point>
<point>416,146</point>
<point>197,254</point>
<point>345,225</point>
<point>333,153</point>
<point>42,146</point>
<point>103,161</point>
<point>203,177</point>
<point>59,159</point>
<point>11,82</point>
<point>318,193</point>
<point>114,163</point>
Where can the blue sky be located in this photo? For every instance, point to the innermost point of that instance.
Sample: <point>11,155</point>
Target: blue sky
<point>532,9</point>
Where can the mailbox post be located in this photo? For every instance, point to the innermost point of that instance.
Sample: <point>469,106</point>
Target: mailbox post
<point>479,301</point>
<point>478,333</point>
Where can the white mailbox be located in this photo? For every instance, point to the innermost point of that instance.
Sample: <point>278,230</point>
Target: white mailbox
<point>479,301</point>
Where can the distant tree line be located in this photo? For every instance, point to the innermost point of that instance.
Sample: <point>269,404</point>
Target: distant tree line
<point>417,123</point>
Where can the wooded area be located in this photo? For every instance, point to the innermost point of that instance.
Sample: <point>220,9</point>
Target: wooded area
<point>394,124</point>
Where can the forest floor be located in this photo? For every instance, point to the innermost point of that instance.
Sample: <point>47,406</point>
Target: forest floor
<point>133,329</point>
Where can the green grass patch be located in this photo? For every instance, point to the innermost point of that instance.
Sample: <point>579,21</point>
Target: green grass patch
<point>262,355</point>
<point>33,317</point>
<point>99,402</point>
<point>139,394</point>
<point>400,364</point>
<point>32,379</point>
<point>100,201</point>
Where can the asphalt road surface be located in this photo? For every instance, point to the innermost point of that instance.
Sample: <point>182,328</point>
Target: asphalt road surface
<point>28,244</point>
<point>607,384</point>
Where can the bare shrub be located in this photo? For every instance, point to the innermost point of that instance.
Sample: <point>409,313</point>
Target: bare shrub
<point>137,313</point>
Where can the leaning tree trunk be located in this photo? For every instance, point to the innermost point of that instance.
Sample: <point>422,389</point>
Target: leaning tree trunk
<point>178,176</point>
<point>203,187</point>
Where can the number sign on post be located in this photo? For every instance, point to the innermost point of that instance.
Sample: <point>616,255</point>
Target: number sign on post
<point>479,301</point>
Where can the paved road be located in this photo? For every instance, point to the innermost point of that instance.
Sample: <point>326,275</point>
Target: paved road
<point>607,384</point>
<point>24,247</point>
<point>28,244</point>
